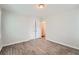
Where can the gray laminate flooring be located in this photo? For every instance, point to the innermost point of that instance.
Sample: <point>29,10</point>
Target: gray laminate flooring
<point>38,47</point>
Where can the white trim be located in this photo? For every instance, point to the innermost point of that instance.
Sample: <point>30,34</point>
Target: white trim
<point>17,42</point>
<point>0,48</point>
<point>63,44</point>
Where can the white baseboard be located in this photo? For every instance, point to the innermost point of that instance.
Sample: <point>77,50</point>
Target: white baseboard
<point>17,42</point>
<point>0,48</point>
<point>64,44</point>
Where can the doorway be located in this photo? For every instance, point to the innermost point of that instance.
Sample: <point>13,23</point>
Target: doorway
<point>40,29</point>
<point>43,29</point>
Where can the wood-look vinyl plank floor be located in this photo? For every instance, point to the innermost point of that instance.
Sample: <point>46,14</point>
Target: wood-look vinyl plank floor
<point>38,47</point>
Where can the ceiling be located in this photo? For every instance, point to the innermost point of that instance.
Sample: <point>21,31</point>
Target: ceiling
<point>30,9</point>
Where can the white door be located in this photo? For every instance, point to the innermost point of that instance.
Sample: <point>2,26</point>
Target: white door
<point>37,29</point>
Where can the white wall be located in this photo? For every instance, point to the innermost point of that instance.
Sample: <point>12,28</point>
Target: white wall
<point>0,31</point>
<point>16,28</point>
<point>63,28</point>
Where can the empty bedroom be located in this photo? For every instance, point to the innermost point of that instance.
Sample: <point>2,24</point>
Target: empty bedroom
<point>39,29</point>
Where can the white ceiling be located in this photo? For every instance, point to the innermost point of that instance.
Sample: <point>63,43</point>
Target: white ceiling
<point>30,9</point>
